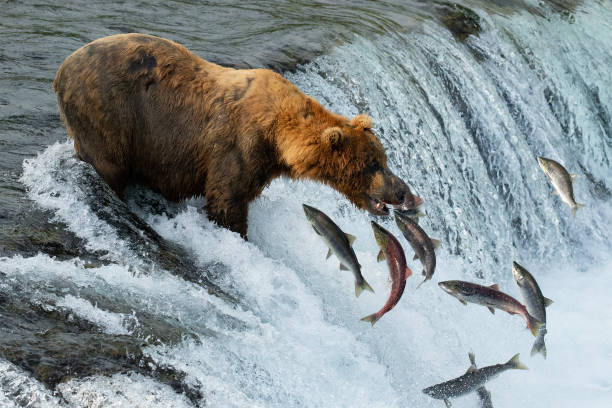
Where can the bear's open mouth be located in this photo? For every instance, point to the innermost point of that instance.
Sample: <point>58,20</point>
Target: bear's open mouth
<point>376,206</point>
<point>379,207</point>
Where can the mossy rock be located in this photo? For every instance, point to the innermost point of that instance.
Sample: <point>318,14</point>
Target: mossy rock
<point>460,21</point>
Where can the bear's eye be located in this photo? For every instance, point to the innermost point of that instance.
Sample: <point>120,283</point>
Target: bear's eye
<point>372,166</point>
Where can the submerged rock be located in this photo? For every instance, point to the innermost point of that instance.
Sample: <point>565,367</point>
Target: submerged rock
<point>461,21</point>
<point>55,346</point>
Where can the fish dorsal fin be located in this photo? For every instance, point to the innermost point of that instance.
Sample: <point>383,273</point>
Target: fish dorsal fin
<point>315,229</point>
<point>573,177</point>
<point>408,273</point>
<point>381,256</point>
<point>329,253</point>
<point>435,243</point>
<point>415,257</point>
<point>547,302</point>
<point>343,268</point>
<point>494,286</point>
<point>555,192</point>
<point>491,309</point>
<point>472,358</point>
<point>351,238</point>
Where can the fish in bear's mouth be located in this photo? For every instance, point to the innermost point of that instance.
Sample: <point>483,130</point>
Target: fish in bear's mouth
<point>379,207</point>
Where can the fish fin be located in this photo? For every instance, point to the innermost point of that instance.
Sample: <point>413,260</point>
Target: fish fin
<point>491,309</point>
<point>408,273</point>
<point>539,347</point>
<point>547,302</point>
<point>516,364</point>
<point>435,243</point>
<point>533,324</point>
<point>315,230</point>
<point>574,177</point>
<point>463,301</point>
<point>343,268</point>
<point>471,369</point>
<point>472,358</point>
<point>420,214</point>
<point>448,403</point>
<point>415,257</point>
<point>373,318</point>
<point>351,238</point>
<point>381,256</point>
<point>360,287</point>
<point>419,285</point>
<point>555,192</point>
<point>329,253</point>
<point>576,208</point>
<point>495,286</point>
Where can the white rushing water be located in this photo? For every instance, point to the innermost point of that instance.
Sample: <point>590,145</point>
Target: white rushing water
<point>462,124</point>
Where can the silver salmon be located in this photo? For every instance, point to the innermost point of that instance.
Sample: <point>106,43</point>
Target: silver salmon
<point>414,213</point>
<point>534,301</point>
<point>561,181</point>
<point>491,297</point>
<point>422,245</point>
<point>483,394</point>
<point>392,251</point>
<point>339,243</point>
<point>470,381</point>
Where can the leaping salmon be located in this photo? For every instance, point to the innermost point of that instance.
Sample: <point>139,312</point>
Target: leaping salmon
<point>392,251</point>
<point>339,243</point>
<point>491,297</point>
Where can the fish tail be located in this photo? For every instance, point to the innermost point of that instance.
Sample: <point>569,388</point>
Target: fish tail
<point>373,318</point>
<point>516,364</point>
<point>419,285</point>
<point>576,208</point>
<point>361,286</point>
<point>539,346</point>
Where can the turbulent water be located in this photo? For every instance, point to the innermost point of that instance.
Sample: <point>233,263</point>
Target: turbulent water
<point>171,310</point>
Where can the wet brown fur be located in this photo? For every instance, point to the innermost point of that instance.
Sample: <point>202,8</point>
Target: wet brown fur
<point>145,109</point>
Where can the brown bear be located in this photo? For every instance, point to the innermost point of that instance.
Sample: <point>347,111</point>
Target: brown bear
<point>147,110</point>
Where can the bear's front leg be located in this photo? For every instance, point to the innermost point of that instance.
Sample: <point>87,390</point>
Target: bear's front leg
<point>230,214</point>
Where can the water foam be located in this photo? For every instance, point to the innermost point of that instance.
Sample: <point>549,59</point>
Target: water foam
<point>297,340</point>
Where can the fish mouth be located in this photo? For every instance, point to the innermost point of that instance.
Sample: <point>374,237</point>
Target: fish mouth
<point>445,286</point>
<point>542,163</point>
<point>516,272</point>
<point>379,207</point>
<point>376,206</point>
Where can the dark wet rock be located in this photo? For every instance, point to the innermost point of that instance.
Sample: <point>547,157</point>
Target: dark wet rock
<point>55,346</point>
<point>460,20</point>
<point>148,245</point>
<point>32,232</point>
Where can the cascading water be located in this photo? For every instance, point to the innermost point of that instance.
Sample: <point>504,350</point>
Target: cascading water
<point>278,325</point>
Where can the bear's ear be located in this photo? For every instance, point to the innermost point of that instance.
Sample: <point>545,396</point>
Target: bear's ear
<point>361,122</point>
<point>332,136</point>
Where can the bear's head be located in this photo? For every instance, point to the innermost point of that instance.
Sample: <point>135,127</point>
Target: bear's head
<point>350,158</point>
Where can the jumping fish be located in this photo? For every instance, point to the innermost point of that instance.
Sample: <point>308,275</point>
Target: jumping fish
<point>414,213</point>
<point>491,297</point>
<point>392,251</point>
<point>561,181</point>
<point>470,381</point>
<point>534,301</point>
<point>483,394</point>
<point>339,243</point>
<point>422,245</point>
